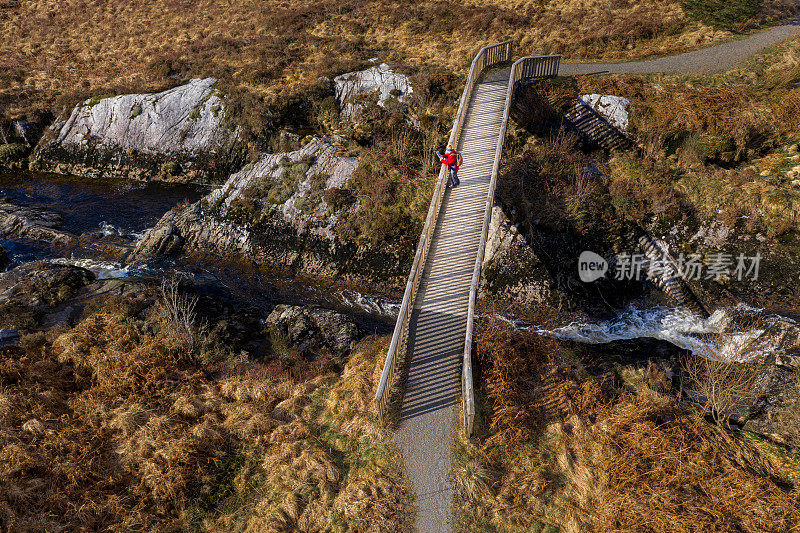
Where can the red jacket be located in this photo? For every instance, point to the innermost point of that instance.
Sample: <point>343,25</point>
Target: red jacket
<point>450,159</point>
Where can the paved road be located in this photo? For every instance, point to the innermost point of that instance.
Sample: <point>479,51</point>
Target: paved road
<point>438,323</point>
<point>718,57</point>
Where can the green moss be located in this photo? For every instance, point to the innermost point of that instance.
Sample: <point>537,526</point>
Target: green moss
<point>313,196</point>
<point>291,176</point>
<point>725,14</point>
<point>94,100</point>
<point>195,114</point>
<point>12,153</point>
<point>136,111</point>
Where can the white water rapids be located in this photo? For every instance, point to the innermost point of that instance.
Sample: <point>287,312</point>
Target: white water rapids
<point>723,334</point>
<point>101,269</point>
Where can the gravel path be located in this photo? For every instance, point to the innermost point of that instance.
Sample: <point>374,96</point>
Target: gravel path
<point>719,57</point>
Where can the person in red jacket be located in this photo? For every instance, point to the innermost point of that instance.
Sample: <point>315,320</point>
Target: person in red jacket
<point>452,159</point>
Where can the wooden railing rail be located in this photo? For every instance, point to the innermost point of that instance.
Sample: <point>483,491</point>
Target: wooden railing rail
<point>396,355</point>
<point>524,69</point>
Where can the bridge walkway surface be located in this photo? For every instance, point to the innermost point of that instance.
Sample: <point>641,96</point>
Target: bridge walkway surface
<point>438,322</point>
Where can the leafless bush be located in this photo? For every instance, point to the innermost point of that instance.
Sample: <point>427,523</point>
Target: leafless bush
<point>431,139</point>
<point>177,316</point>
<point>724,370</point>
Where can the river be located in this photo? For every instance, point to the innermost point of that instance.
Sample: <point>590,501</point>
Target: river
<point>121,207</point>
<point>126,209</point>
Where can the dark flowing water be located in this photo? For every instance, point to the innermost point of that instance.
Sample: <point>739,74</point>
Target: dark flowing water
<point>88,204</point>
<point>109,206</point>
<point>125,209</point>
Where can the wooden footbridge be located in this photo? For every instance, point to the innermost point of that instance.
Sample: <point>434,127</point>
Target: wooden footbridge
<point>429,362</point>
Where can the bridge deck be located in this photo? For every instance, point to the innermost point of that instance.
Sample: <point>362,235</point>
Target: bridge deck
<point>438,324</point>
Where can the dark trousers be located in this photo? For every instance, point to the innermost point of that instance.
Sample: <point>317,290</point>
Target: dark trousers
<point>454,176</point>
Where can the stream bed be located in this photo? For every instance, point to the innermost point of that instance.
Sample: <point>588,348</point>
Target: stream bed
<point>119,207</point>
<point>126,209</point>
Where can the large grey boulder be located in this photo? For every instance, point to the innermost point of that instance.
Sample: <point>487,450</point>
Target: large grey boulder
<point>511,270</point>
<point>287,188</point>
<point>42,283</point>
<point>313,330</point>
<point>283,212</point>
<point>380,81</point>
<point>191,229</point>
<point>179,132</point>
<point>292,184</point>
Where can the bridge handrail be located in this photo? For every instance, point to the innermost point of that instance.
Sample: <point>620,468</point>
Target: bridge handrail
<point>525,68</point>
<point>487,56</point>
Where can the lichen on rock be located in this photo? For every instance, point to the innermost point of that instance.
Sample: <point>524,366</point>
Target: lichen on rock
<point>380,80</point>
<point>138,135</point>
<point>312,329</point>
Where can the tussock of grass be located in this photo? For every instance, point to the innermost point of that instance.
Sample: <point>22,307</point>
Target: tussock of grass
<point>117,418</point>
<point>562,450</point>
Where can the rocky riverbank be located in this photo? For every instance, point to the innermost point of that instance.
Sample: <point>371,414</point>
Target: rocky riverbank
<point>282,212</point>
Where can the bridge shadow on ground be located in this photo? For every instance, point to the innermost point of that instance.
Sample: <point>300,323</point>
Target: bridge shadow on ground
<point>555,192</point>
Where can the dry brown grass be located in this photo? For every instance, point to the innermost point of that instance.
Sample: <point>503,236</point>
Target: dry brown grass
<point>327,467</point>
<point>568,452</point>
<point>668,470</point>
<point>113,427</point>
<point>61,50</point>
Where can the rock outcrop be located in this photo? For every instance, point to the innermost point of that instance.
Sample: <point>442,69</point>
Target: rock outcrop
<point>602,120</point>
<point>379,81</point>
<point>281,211</point>
<point>313,330</point>
<point>42,283</point>
<point>21,222</point>
<point>511,270</point>
<point>177,134</point>
<point>292,184</point>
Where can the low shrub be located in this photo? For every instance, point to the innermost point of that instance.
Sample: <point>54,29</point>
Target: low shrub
<point>338,198</point>
<point>12,153</point>
<point>725,14</point>
<point>118,418</point>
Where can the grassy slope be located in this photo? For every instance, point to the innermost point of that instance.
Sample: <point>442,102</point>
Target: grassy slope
<point>62,50</point>
<point>117,424</point>
<point>561,449</point>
